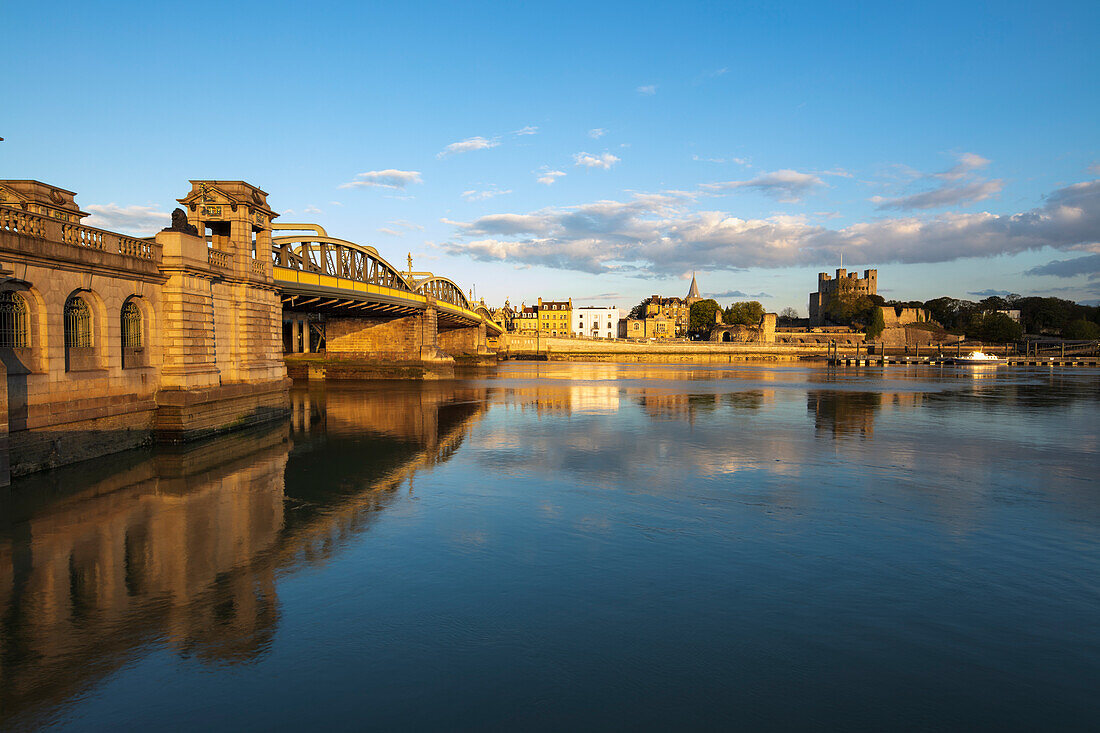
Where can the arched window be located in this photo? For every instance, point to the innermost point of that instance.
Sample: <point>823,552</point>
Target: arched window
<point>78,323</point>
<point>131,326</point>
<point>13,321</point>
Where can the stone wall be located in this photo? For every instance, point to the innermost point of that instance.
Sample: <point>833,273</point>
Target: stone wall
<point>657,351</point>
<point>209,357</point>
<point>894,316</point>
<point>464,341</point>
<point>763,333</point>
<point>396,339</point>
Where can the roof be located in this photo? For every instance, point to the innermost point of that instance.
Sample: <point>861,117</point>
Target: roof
<point>693,291</point>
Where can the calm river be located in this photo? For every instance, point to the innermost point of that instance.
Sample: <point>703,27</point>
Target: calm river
<point>579,546</point>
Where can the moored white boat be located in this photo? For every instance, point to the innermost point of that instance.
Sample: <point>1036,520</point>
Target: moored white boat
<point>977,358</point>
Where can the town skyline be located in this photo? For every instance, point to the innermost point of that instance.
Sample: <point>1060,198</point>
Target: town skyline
<point>606,167</point>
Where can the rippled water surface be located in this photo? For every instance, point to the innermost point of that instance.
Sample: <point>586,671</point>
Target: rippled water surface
<point>594,546</point>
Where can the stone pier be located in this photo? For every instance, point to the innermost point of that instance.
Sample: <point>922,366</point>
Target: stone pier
<point>361,347</point>
<point>108,340</point>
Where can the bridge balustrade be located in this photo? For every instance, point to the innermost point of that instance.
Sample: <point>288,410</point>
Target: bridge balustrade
<point>39,226</point>
<point>217,258</point>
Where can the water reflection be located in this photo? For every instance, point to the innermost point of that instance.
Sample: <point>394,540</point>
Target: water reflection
<point>696,543</point>
<point>182,547</point>
<point>850,413</point>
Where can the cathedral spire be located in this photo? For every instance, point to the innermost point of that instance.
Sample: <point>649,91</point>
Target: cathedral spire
<point>693,291</point>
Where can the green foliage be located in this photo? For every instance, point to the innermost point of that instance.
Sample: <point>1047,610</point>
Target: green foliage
<point>993,327</point>
<point>877,324</point>
<point>1037,315</point>
<point>638,311</point>
<point>747,313</point>
<point>701,316</point>
<point>1081,330</point>
<point>848,309</point>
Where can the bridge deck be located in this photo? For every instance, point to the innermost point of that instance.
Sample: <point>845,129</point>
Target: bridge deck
<point>303,290</point>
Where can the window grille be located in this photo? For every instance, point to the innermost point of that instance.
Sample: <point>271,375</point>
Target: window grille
<point>13,320</point>
<point>78,323</point>
<point>131,325</point>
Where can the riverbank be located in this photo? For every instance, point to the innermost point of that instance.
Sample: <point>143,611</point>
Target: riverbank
<point>567,349</point>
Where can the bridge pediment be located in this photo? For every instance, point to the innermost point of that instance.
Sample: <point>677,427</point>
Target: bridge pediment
<point>211,199</point>
<point>41,198</point>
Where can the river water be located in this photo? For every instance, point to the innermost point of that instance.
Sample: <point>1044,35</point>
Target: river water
<point>594,546</point>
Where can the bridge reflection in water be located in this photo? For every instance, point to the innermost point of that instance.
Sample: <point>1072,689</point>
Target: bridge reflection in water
<point>182,547</point>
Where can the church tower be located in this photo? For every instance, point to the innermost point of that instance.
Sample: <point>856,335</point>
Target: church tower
<point>693,295</point>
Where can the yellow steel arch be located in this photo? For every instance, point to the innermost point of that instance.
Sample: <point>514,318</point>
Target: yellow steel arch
<point>442,288</point>
<point>329,255</point>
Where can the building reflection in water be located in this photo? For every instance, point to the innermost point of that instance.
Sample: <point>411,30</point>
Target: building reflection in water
<point>851,413</point>
<point>182,546</point>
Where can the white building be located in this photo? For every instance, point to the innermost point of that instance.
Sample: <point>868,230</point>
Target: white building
<point>596,322</point>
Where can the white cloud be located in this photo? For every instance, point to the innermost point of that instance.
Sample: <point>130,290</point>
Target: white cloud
<point>335,203</point>
<point>312,210</point>
<point>528,130</point>
<point>468,145</point>
<point>142,220</point>
<point>547,177</point>
<point>738,161</point>
<point>648,89</point>
<point>657,234</point>
<point>785,185</point>
<point>389,178</point>
<point>475,195</point>
<point>399,227</point>
<point>941,197</point>
<point>957,186</point>
<point>587,160</point>
<point>968,163</point>
<point>596,133</point>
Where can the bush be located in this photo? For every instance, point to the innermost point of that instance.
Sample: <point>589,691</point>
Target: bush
<point>1081,330</point>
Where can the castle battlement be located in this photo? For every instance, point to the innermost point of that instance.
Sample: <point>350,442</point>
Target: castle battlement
<point>827,286</point>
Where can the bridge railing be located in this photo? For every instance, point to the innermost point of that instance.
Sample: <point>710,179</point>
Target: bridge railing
<point>39,226</point>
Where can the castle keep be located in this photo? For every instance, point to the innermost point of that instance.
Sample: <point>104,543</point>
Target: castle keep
<point>845,282</point>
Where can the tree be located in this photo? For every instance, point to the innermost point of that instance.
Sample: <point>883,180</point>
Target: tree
<point>994,327</point>
<point>877,324</point>
<point>1081,330</point>
<point>638,311</point>
<point>748,313</point>
<point>951,313</point>
<point>788,315</point>
<point>851,310</point>
<point>701,316</point>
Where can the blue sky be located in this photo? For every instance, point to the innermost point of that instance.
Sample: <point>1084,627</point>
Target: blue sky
<point>596,151</point>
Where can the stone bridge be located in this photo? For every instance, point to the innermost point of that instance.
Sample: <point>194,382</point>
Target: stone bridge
<point>109,340</point>
<point>346,300</point>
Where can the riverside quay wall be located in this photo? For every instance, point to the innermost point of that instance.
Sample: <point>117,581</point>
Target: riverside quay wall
<point>574,349</point>
<point>109,341</point>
